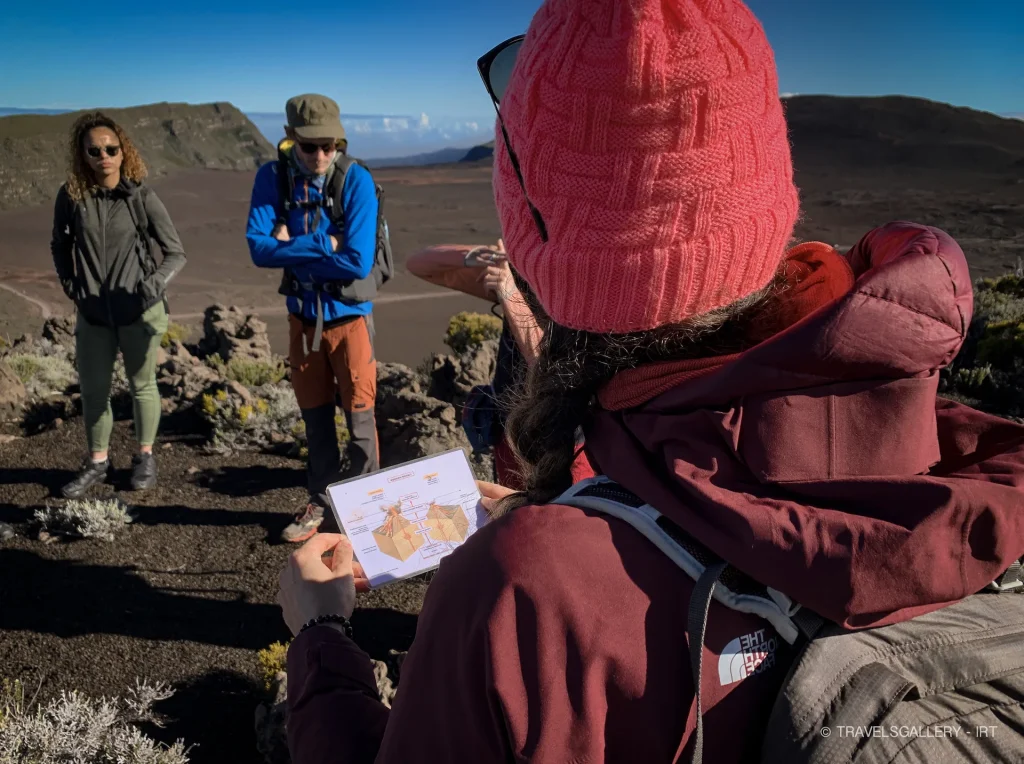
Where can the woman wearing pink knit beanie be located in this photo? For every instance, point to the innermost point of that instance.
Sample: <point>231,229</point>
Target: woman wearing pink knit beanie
<point>773,461</point>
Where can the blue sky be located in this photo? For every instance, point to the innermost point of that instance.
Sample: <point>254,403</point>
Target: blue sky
<point>411,56</point>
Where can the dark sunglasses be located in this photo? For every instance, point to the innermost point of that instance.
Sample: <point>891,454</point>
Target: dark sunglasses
<point>96,152</point>
<point>495,69</point>
<point>311,148</point>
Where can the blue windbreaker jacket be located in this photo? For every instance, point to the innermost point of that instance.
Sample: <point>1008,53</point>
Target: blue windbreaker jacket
<point>308,254</point>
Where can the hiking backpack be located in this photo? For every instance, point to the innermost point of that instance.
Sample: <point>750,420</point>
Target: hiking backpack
<point>352,291</point>
<point>941,688</point>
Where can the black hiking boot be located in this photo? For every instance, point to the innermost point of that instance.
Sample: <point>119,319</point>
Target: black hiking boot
<point>91,474</point>
<point>143,472</point>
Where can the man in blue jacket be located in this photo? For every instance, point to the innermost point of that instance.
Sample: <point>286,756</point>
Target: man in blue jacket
<point>325,242</point>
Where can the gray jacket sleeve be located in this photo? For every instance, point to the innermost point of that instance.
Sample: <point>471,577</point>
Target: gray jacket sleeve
<point>162,229</point>
<point>62,241</point>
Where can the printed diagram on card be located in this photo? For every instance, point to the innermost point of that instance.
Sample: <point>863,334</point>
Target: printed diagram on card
<point>404,520</point>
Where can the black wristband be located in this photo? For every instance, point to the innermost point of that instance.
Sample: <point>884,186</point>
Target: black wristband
<point>333,618</point>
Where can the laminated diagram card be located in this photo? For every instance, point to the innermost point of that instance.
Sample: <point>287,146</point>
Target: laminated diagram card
<point>403,520</point>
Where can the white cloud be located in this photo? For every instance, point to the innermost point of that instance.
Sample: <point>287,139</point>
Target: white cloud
<point>788,95</point>
<point>378,137</point>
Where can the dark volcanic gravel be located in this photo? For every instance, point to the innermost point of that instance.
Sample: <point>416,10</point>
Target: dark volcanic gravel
<point>186,594</point>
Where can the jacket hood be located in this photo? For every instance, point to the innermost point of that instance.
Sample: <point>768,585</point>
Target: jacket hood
<point>123,190</point>
<point>821,462</point>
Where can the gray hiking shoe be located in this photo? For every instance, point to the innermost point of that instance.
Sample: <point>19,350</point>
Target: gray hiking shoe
<point>305,525</point>
<point>90,474</point>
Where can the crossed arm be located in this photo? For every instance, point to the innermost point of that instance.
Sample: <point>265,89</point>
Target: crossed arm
<point>326,253</point>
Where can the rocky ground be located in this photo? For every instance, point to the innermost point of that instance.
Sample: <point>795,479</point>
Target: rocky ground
<point>186,592</point>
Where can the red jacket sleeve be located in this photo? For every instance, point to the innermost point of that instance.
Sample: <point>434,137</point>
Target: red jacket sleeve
<point>334,712</point>
<point>445,709</point>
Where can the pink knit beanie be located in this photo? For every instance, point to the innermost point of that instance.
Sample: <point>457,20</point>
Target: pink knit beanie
<point>652,141</point>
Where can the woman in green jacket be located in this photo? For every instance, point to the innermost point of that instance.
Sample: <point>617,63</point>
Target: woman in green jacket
<point>103,224</point>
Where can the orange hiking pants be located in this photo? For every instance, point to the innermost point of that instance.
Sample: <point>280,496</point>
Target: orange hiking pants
<point>343,370</point>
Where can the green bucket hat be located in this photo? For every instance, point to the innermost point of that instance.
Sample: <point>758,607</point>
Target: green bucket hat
<point>314,117</point>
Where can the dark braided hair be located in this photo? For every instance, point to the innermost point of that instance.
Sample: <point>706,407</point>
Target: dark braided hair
<point>561,387</point>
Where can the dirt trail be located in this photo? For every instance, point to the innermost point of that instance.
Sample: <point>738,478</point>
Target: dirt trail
<point>44,307</point>
<point>281,309</point>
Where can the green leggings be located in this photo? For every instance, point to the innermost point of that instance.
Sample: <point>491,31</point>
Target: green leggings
<point>96,348</point>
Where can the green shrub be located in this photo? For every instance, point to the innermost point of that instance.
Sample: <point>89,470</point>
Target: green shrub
<point>266,423</point>
<point>42,374</point>
<point>466,330</point>
<point>249,372</point>
<point>273,660</point>
<point>175,333</point>
<point>1001,342</point>
<point>25,366</point>
<point>988,373</point>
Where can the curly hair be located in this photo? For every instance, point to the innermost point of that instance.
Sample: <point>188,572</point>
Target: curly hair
<point>560,389</point>
<point>80,176</point>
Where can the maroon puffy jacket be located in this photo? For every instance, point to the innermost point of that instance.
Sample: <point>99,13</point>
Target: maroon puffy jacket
<point>820,462</point>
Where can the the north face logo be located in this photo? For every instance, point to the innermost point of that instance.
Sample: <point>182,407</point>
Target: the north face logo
<point>745,656</point>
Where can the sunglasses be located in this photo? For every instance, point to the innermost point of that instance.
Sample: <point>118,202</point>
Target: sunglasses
<point>495,68</point>
<point>96,152</point>
<point>312,148</point>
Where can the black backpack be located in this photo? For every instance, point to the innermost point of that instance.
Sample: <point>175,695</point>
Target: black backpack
<point>946,687</point>
<point>351,291</point>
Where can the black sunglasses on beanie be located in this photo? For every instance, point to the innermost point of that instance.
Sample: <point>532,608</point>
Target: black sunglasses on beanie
<point>495,69</point>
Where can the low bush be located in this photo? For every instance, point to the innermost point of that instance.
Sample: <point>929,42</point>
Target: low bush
<point>249,372</point>
<point>85,518</point>
<point>988,373</point>
<point>75,729</point>
<point>466,330</point>
<point>42,375</point>
<point>273,659</point>
<point>175,333</point>
<point>237,426</point>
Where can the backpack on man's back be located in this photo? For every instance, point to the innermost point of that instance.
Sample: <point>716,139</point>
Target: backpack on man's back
<point>943,688</point>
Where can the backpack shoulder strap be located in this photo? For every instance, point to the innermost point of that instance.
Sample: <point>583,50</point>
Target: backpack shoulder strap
<point>285,181</point>
<point>137,208</point>
<point>334,193</point>
<point>735,589</point>
<point>713,577</point>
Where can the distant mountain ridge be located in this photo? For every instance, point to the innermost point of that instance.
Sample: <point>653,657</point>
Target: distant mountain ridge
<point>832,133</point>
<point>479,153</point>
<point>171,136</point>
<point>390,139</point>
<point>442,156</point>
<point>850,134</point>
